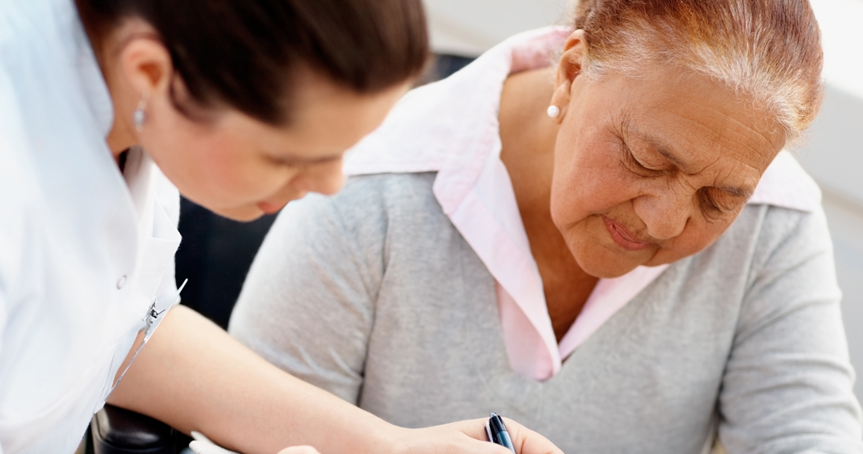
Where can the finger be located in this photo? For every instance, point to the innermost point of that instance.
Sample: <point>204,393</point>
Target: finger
<point>480,446</point>
<point>527,441</point>
<point>474,430</point>
<point>299,450</point>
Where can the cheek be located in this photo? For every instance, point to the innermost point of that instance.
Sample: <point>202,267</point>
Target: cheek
<point>588,181</point>
<point>214,169</point>
<point>695,238</point>
<point>233,174</point>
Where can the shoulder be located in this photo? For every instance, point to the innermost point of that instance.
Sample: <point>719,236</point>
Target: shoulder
<point>771,229</point>
<point>785,209</point>
<point>781,227</point>
<point>389,190</point>
<point>37,34</point>
<point>763,229</point>
<point>784,214</point>
<point>369,198</point>
<point>372,216</point>
<point>414,136</point>
<point>320,243</point>
<point>785,184</point>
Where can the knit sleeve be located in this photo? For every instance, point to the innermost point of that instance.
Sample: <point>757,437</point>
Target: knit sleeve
<point>788,383</point>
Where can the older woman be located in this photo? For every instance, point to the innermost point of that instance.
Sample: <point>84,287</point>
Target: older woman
<point>610,247</point>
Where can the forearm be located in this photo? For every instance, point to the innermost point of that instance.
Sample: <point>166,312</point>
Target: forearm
<point>193,376</point>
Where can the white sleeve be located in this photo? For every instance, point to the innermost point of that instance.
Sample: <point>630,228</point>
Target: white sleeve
<point>16,240</point>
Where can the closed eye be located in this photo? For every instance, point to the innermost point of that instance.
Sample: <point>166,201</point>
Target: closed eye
<point>710,203</point>
<point>634,161</point>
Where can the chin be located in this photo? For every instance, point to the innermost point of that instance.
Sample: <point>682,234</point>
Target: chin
<point>605,264</point>
<point>606,270</point>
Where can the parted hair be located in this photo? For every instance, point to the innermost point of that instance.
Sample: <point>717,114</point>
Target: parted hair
<point>244,53</point>
<point>767,50</point>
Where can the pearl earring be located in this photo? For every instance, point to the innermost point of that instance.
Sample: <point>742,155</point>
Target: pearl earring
<point>553,111</point>
<point>140,114</point>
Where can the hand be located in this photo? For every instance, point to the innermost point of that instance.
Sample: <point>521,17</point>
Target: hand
<point>525,440</point>
<point>469,437</point>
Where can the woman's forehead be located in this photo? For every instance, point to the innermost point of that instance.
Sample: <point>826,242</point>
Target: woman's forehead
<point>690,119</point>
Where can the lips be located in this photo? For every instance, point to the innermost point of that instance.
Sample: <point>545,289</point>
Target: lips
<point>623,237</point>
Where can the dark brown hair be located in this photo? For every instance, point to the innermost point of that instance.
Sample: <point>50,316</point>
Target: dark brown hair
<point>769,50</point>
<point>244,53</point>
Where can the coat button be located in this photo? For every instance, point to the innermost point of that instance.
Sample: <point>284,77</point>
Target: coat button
<point>121,282</point>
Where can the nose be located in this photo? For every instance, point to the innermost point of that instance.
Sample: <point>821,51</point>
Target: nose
<point>664,213</point>
<point>324,178</point>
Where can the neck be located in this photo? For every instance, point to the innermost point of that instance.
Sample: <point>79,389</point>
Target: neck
<point>528,136</point>
<point>528,139</point>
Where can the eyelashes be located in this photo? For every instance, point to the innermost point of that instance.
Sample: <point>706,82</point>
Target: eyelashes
<point>299,167</point>
<point>710,207</point>
<point>633,162</point>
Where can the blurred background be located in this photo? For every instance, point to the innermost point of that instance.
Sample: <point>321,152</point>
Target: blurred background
<point>216,253</point>
<point>833,154</point>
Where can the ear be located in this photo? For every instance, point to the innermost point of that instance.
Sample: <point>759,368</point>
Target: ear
<point>568,69</point>
<point>146,65</point>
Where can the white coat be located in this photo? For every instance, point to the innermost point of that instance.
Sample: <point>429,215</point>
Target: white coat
<point>84,248</point>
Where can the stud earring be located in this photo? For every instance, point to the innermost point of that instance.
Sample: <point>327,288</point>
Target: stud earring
<point>553,111</point>
<point>140,114</point>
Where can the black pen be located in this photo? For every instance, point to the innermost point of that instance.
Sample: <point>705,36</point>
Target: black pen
<point>496,432</point>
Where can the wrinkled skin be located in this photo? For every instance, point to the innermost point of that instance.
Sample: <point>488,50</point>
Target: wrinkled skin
<point>633,171</point>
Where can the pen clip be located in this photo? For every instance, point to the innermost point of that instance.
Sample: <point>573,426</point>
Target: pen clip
<point>153,317</point>
<point>152,320</point>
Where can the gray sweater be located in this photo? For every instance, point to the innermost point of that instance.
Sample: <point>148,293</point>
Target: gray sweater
<point>376,297</point>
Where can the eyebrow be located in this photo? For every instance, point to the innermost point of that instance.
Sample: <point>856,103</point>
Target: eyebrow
<point>666,151</point>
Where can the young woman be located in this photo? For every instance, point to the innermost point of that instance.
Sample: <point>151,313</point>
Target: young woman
<point>607,245</point>
<point>105,107</point>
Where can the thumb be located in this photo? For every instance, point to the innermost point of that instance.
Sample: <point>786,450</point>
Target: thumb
<point>527,441</point>
<point>482,446</point>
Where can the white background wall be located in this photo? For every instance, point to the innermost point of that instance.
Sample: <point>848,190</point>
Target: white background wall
<point>833,155</point>
<point>470,27</point>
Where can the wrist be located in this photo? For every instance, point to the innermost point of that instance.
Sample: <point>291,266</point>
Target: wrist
<point>396,440</point>
<point>385,439</point>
